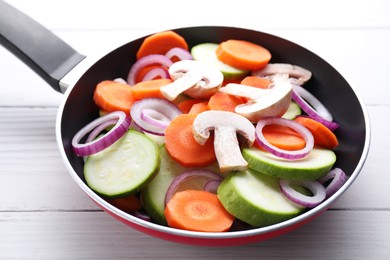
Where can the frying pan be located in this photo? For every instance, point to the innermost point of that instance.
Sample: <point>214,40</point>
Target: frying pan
<point>58,64</point>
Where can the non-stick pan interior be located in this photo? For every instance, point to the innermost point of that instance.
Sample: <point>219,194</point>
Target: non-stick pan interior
<point>326,84</point>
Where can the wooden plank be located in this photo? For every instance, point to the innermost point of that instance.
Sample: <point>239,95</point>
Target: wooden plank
<point>33,177</point>
<point>95,235</point>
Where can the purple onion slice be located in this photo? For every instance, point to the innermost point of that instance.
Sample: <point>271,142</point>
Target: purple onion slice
<point>337,177</point>
<point>153,115</point>
<point>313,107</point>
<point>316,188</point>
<point>92,145</point>
<point>286,154</point>
<point>192,179</point>
<point>146,61</point>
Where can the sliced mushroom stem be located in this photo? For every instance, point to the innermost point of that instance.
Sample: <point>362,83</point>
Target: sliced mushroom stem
<point>228,154</point>
<point>226,127</point>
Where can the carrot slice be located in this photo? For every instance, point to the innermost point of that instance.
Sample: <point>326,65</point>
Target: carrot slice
<point>186,105</point>
<point>181,145</point>
<point>149,89</point>
<point>112,96</point>
<point>198,108</point>
<point>224,101</point>
<point>197,210</point>
<point>282,137</point>
<point>322,135</point>
<point>127,204</point>
<point>257,82</point>
<point>160,43</point>
<point>243,54</point>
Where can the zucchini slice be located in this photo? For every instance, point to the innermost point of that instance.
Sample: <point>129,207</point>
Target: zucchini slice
<point>123,168</point>
<point>256,199</point>
<point>316,165</point>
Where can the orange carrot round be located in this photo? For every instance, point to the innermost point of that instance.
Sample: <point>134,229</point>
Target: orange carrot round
<point>243,54</point>
<point>112,96</point>
<point>149,89</point>
<point>185,105</point>
<point>197,210</point>
<point>225,102</point>
<point>160,43</point>
<point>322,135</point>
<point>181,145</point>
<point>282,137</point>
<point>257,82</point>
<point>198,107</point>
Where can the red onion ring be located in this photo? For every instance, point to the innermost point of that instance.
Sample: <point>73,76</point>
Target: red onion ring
<point>155,118</point>
<point>162,107</point>
<point>316,188</point>
<point>155,73</point>
<point>338,178</point>
<point>212,186</point>
<point>286,154</point>
<point>191,179</point>
<point>180,53</point>
<point>101,143</point>
<point>135,127</point>
<point>313,107</point>
<point>145,61</point>
<point>95,132</point>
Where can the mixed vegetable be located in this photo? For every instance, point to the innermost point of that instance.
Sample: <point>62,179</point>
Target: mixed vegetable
<point>201,138</point>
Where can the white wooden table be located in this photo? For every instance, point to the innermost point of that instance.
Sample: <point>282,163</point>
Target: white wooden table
<point>45,215</point>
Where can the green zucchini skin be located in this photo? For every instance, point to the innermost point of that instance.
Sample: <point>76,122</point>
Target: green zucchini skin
<point>123,168</point>
<point>316,165</point>
<point>256,199</point>
<point>153,195</point>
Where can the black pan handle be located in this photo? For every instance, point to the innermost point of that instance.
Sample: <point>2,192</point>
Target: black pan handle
<point>39,48</point>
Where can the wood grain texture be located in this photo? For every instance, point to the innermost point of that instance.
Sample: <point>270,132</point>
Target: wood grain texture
<point>95,235</point>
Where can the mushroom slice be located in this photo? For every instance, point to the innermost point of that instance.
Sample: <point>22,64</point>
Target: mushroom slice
<point>226,126</point>
<point>196,79</point>
<point>297,75</point>
<point>262,103</point>
<point>241,90</point>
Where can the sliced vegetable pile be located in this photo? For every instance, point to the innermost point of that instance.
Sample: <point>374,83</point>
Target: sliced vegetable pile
<point>200,138</point>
